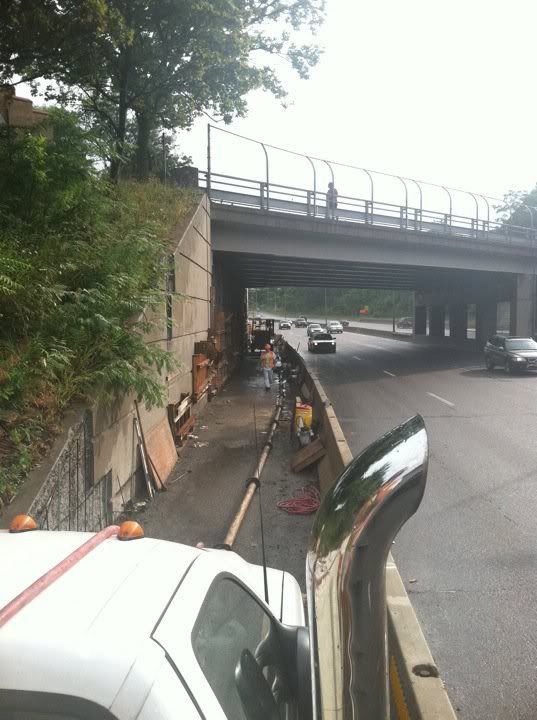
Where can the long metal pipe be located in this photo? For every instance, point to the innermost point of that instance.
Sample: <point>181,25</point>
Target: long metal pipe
<point>253,483</point>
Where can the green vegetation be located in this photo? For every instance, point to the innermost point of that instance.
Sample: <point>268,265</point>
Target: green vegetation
<point>519,208</point>
<point>339,302</point>
<point>81,263</point>
<point>134,66</point>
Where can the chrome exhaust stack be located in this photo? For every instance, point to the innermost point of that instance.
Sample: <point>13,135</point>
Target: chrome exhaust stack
<point>346,573</point>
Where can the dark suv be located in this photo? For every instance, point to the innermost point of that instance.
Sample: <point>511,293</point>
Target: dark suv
<point>511,353</point>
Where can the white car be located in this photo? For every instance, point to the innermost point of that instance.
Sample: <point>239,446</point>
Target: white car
<point>92,628</point>
<point>335,327</point>
<point>322,342</point>
<point>313,328</point>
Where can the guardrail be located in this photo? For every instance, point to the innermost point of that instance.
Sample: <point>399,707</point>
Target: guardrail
<point>416,690</point>
<point>268,197</point>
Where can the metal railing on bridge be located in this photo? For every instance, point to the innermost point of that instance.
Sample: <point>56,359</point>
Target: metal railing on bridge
<point>269,197</point>
<point>272,197</point>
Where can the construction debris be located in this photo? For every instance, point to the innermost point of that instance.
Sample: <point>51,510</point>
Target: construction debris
<point>308,455</point>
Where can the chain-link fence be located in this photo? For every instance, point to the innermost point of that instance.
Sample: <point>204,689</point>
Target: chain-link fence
<point>71,499</point>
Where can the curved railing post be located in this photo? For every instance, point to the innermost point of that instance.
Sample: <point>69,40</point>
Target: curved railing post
<point>372,184</point>
<point>450,204</point>
<point>417,226</point>
<point>266,174</point>
<point>314,184</point>
<point>487,226</point>
<point>406,198</point>
<point>476,211</point>
<point>346,572</point>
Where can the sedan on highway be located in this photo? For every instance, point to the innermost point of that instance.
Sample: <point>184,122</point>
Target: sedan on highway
<point>322,342</point>
<point>313,328</point>
<point>300,322</point>
<point>335,327</point>
<point>512,353</point>
<point>284,325</point>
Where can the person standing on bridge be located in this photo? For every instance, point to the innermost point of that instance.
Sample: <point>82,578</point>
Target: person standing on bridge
<point>331,202</point>
<point>268,361</point>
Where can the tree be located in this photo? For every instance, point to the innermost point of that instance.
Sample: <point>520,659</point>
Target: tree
<point>519,208</point>
<point>164,62</point>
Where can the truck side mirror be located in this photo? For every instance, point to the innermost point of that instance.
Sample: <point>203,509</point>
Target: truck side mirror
<point>254,691</point>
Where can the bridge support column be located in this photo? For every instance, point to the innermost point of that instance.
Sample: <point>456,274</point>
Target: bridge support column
<point>485,321</point>
<point>523,307</point>
<point>420,320</point>
<point>458,321</point>
<point>437,321</point>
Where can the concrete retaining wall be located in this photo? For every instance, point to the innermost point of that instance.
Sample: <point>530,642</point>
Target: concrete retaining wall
<point>417,693</point>
<point>94,467</point>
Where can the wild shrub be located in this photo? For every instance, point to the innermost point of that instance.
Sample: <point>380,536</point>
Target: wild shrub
<point>82,267</point>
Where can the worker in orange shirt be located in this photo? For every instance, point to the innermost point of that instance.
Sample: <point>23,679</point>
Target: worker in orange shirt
<point>268,361</point>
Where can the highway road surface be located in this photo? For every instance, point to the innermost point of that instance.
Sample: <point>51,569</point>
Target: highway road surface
<point>469,556</point>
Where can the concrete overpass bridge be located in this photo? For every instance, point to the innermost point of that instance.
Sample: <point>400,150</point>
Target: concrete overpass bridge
<point>268,234</point>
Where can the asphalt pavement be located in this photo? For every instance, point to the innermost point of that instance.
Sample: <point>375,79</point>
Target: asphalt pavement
<point>469,556</point>
<point>208,483</point>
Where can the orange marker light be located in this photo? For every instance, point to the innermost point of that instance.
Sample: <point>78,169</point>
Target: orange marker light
<point>22,523</point>
<point>130,530</point>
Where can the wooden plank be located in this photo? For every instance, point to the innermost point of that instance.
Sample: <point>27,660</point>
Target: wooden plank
<point>308,455</point>
<point>155,478</point>
<point>145,466</point>
<point>161,449</point>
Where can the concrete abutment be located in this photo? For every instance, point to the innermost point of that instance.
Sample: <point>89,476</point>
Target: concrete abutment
<point>437,321</point>
<point>458,321</point>
<point>420,320</point>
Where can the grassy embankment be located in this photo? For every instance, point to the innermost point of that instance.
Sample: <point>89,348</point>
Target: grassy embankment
<point>79,260</point>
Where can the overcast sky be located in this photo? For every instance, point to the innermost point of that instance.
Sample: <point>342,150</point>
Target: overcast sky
<point>437,90</point>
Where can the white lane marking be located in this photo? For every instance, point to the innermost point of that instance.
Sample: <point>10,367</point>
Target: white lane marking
<point>441,399</point>
<point>388,373</point>
<point>355,357</point>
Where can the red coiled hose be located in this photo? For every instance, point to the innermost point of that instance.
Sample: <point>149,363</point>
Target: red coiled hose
<point>304,502</point>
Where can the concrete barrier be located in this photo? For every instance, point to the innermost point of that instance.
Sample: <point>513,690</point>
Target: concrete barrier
<point>416,690</point>
<point>380,333</point>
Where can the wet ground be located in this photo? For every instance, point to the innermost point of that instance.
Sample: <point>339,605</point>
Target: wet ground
<point>208,483</point>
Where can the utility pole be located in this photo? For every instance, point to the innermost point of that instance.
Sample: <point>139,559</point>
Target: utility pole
<point>325,310</point>
<point>393,312</point>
